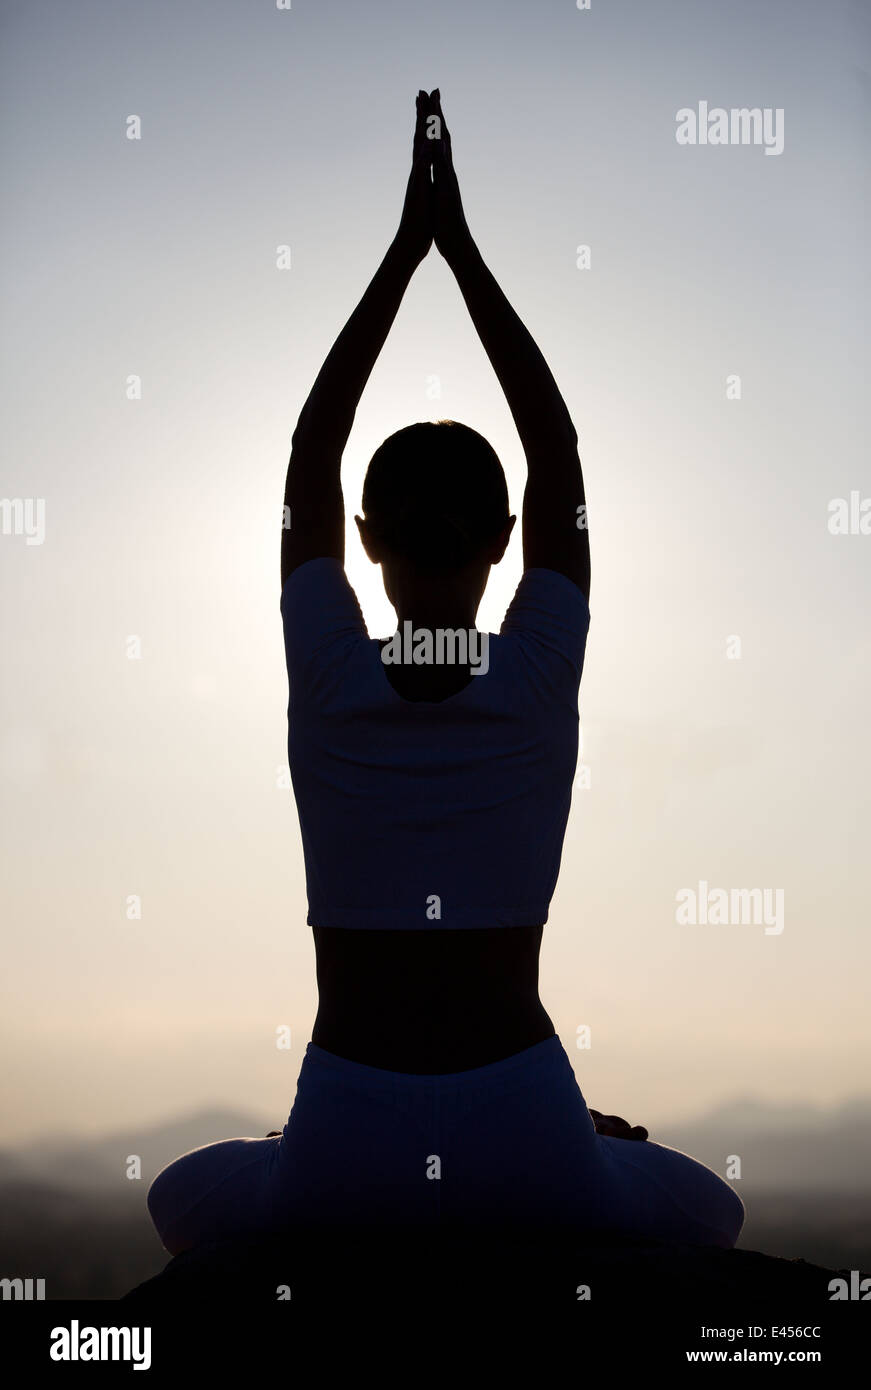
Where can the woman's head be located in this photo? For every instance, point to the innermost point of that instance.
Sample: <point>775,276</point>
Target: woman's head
<point>435,497</point>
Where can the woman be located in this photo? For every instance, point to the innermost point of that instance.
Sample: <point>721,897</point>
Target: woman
<point>433,797</point>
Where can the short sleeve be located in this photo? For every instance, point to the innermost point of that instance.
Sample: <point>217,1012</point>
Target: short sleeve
<point>321,615</point>
<point>549,618</point>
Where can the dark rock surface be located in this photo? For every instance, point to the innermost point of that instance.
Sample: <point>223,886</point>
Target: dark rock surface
<point>461,1272</point>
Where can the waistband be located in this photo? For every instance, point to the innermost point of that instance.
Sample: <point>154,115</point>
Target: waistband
<point>545,1057</point>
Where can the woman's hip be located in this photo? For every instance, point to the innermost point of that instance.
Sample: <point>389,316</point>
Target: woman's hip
<point>511,1145</point>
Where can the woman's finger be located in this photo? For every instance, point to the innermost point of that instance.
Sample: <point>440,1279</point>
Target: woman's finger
<point>422,104</point>
<point>418,125</point>
<point>436,98</point>
<point>429,146</point>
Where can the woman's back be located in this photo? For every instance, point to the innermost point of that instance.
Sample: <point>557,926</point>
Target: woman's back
<point>432,829</point>
<point>420,816</point>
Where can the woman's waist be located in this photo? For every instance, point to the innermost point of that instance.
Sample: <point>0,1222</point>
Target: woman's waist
<point>439,965</point>
<point>430,1042</point>
<point>427,1001</point>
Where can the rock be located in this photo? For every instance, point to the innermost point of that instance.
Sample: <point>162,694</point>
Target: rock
<point>451,1271</point>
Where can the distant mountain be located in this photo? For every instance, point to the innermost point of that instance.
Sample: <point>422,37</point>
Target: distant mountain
<point>12,1167</point>
<point>765,1117</point>
<point>790,1148</point>
<point>91,1165</point>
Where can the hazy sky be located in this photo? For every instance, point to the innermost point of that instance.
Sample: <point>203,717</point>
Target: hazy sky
<point>160,776</point>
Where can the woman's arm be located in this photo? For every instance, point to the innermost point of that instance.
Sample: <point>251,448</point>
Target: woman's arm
<point>313,492</point>
<point>554,502</point>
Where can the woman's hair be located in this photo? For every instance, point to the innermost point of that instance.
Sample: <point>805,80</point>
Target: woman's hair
<point>435,493</point>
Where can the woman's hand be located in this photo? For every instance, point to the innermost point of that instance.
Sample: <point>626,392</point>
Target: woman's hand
<point>415,233</point>
<point>450,231</point>
<point>615,1127</point>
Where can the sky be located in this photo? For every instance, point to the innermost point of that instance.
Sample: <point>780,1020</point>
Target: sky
<point>143,706</point>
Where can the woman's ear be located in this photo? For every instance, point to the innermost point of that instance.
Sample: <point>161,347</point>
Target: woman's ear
<point>500,543</point>
<point>370,544</point>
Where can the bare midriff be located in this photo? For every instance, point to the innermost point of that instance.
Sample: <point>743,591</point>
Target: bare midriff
<point>431,1001</point>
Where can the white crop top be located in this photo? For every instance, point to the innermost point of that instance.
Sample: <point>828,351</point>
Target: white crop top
<point>422,815</point>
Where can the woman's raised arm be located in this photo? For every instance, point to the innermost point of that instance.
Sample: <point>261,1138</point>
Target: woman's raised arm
<point>313,503</point>
<point>555,532</point>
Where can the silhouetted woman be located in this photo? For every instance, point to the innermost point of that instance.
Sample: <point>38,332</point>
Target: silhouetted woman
<point>433,795</point>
